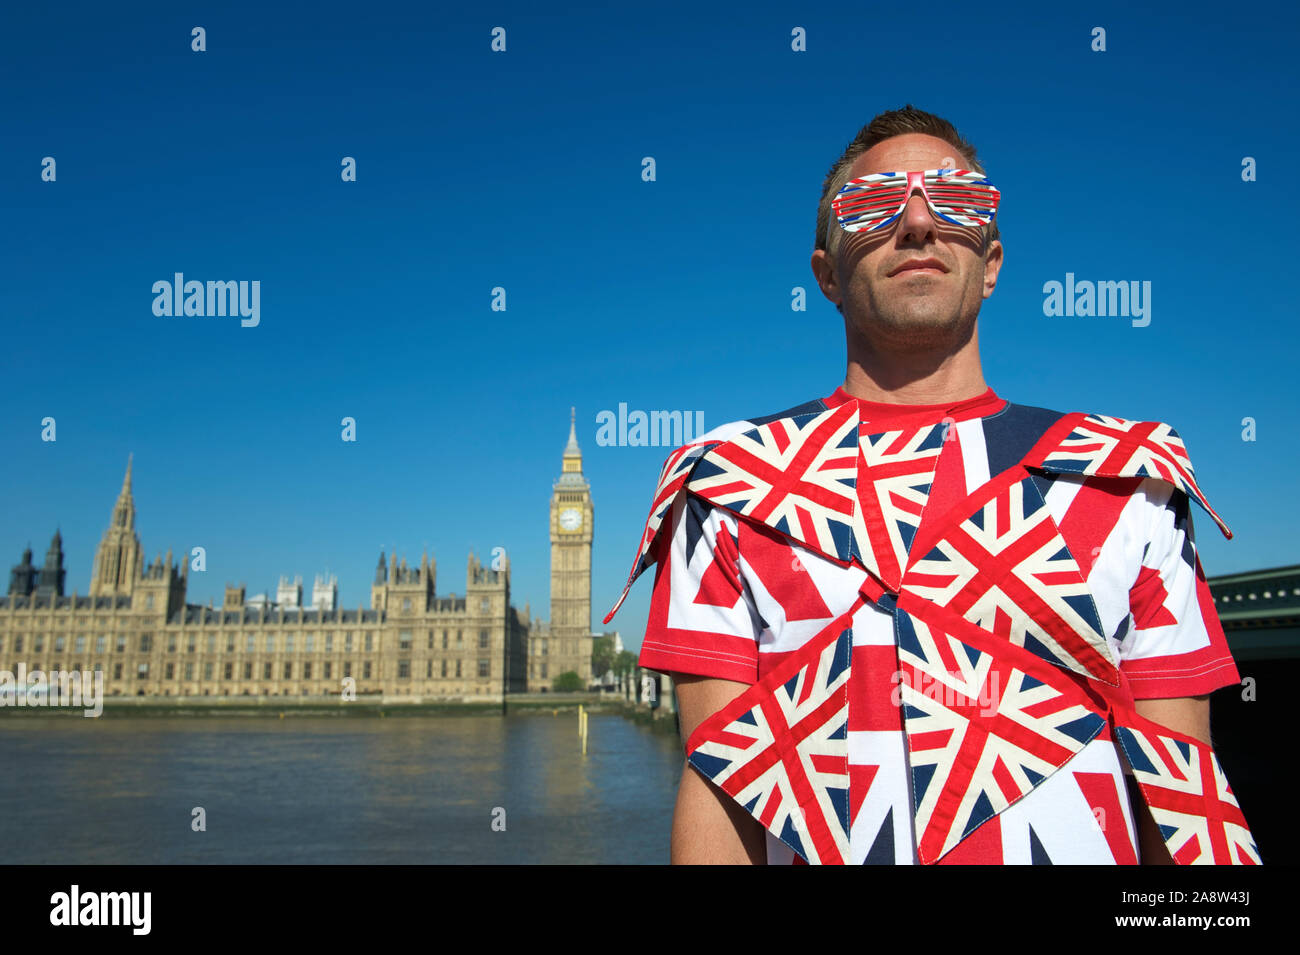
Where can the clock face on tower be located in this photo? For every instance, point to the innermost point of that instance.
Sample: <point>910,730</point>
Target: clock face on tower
<point>570,519</point>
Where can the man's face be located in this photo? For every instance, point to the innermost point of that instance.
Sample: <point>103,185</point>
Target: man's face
<point>910,307</point>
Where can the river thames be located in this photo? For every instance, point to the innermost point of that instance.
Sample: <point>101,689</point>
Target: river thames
<point>316,790</point>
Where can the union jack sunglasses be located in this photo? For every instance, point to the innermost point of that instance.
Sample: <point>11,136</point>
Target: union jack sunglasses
<point>959,196</point>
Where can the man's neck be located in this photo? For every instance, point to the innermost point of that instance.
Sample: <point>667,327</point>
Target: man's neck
<point>915,377</point>
<point>943,384</point>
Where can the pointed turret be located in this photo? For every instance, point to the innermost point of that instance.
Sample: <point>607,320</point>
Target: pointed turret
<point>571,449</point>
<point>22,577</point>
<point>50,580</point>
<point>118,560</point>
<point>571,477</point>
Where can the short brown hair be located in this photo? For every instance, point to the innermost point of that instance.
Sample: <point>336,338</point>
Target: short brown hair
<point>895,122</point>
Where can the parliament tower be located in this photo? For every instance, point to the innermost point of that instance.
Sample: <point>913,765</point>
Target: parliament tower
<point>568,645</point>
<point>118,561</point>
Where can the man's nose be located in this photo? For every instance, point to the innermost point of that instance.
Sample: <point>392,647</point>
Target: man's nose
<point>917,218</point>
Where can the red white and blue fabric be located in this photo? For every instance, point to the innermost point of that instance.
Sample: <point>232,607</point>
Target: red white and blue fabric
<point>782,755</point>
<point>1098,444</point>
<point>1036,590</point>
<point>1189,796</point>
<point>981,733</point>
<point>1006,568</point>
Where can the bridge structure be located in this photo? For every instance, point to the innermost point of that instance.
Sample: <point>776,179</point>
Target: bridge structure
<point>1260,612</point>
<point>1252,723</point>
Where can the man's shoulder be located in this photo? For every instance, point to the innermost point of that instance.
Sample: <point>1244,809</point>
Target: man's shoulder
<point>1094,445</point>
<point>731,429</point>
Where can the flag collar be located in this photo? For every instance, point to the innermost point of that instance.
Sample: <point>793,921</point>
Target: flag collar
<point>875,413</point>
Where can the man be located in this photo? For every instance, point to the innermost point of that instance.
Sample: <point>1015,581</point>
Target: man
<point>914,622</point>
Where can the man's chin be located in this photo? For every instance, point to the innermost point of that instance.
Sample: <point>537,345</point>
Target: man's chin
<point>921,322</point>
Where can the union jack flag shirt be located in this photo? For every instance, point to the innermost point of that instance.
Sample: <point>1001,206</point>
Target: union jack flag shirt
<point>946,614</point>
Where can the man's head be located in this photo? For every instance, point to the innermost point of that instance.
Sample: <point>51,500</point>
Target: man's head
<point>858,270</point>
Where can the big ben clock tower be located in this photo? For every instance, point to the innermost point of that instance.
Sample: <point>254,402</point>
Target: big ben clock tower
<point>569,644</point>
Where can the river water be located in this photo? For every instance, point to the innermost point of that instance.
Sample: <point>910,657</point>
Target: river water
<point>308,790</point>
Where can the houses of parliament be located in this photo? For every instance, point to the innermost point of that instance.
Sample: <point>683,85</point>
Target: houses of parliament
<point>136,626</point>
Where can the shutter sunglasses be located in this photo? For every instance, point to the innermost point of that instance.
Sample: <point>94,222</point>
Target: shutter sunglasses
<point>958,196</point>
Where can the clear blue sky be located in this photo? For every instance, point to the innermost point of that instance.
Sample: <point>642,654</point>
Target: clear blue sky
<point>523,170</point>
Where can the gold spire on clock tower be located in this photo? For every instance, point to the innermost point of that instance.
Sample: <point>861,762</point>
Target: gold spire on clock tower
<point>568,646</point>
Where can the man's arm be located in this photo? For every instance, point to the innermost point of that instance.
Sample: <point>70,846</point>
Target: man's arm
<point>1189,715</point>
<point>709,827</point>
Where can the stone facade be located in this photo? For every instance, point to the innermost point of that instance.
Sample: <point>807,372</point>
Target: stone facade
<point>136,626</point>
